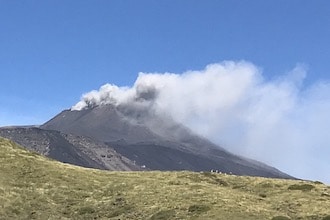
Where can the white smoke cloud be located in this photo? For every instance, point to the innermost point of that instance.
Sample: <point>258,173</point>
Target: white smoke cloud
<point>277,121</point>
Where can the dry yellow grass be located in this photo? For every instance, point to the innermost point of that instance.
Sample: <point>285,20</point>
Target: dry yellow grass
<point>34,187</point>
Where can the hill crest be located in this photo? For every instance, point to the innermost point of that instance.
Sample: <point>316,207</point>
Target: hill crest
<point>34,187</point>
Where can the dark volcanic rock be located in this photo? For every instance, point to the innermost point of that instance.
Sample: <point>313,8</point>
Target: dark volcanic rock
<point>104,123</point>
<point>155,142</point>
<point>77,150</point>
<point>162,157</point>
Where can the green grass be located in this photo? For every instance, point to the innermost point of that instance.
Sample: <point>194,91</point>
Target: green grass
<point>34,187</point>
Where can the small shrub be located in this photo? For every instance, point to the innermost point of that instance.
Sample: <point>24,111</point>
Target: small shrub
<point>119,206</point>
<point>280,218</point>
<point>119,201</point>
<point>239,186</point>
<point>302,187</point>
<point>262,195</point>
<point>174,183</point>
<point>318,182</point>
<point>118,211</point>
<point>325,194</point>
<point>197,209</point>
<point>221,182</point>
<point>213,178</point>
<point>266,185</point>
<point>86,210</point>
<point>326,217</point>
<point>164,214</point>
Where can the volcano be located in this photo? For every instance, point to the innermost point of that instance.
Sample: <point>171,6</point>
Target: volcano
<point>153,141</point>
<point>68,148</point>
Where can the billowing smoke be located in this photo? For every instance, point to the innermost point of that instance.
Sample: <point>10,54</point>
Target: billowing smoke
<point>279,121</point>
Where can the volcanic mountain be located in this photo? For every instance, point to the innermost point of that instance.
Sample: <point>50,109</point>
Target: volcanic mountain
<point>152,141</point>
<point>68,148</point>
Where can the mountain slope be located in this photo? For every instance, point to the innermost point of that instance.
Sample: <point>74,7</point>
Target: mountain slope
<point>77,150</point>
<point>34,187</point>
<point>104,123</point>
<point>154,141</point>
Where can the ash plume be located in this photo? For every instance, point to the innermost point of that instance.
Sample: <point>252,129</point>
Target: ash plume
<point>279,121</point>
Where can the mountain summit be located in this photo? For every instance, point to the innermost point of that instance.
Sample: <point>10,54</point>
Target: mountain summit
<point>154,141</point>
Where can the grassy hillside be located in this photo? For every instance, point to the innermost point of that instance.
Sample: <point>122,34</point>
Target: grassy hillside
<point>33,187</point>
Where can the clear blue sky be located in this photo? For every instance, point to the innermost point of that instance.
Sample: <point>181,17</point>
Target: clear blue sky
<point>52,51</point>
